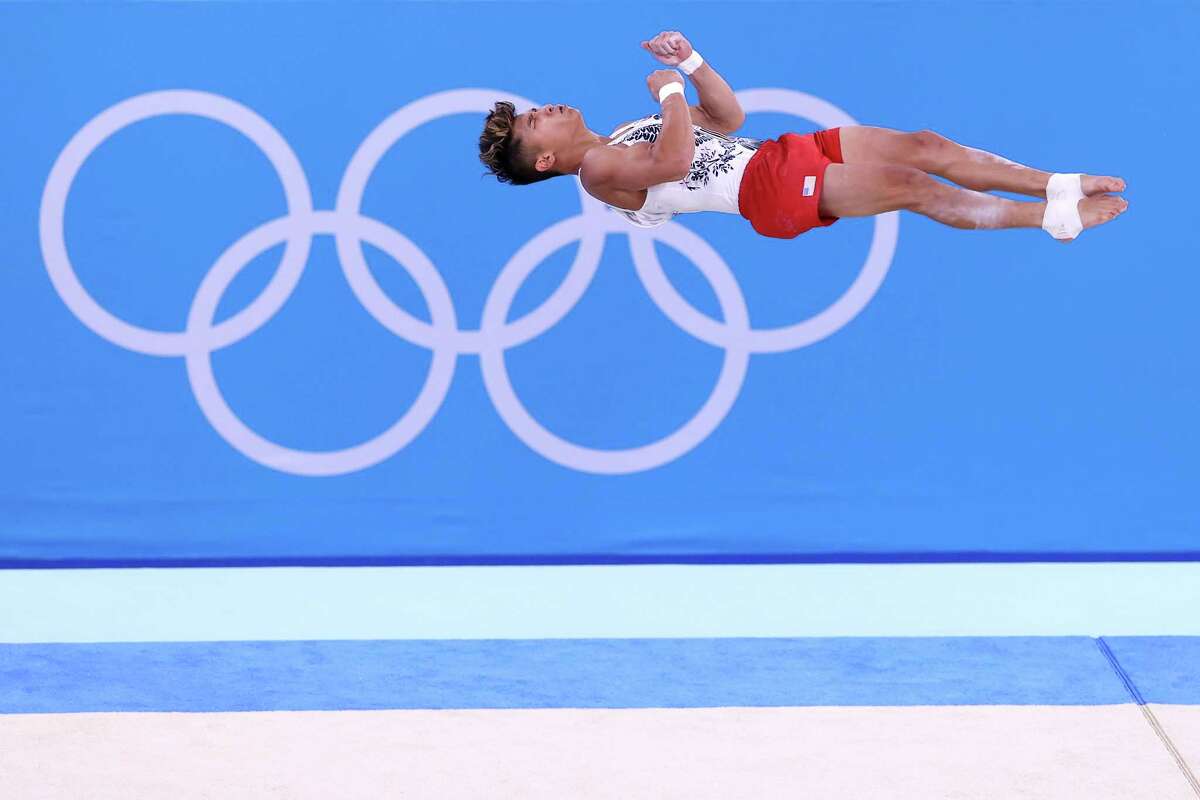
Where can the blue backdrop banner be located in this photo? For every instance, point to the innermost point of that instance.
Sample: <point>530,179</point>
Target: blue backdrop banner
<point>262,305</point>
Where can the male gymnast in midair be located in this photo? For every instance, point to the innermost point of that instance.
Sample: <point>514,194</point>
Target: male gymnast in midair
<point>685,159</point>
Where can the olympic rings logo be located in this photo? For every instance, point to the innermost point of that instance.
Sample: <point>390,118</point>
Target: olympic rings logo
<point>442,334</point>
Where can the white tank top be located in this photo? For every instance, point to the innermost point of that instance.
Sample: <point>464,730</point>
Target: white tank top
<point>711,184</point>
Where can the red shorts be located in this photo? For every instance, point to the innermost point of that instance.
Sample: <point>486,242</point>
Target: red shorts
<point>781,187</point>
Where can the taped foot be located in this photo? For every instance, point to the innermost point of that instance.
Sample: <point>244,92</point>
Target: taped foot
<point>1061,219</point>
<point>1089,211</point>
<point>1095,211</point>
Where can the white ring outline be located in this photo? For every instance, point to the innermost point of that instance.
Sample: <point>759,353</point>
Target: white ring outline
<point>822,324</point>
<point>91,136</point>
<point>309,462</point>
<point>634,459</point>
<point>349,201</point>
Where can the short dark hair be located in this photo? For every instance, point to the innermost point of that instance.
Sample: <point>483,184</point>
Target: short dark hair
<point>501,152</point>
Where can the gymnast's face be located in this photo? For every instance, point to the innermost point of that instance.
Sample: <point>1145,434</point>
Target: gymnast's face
<point>547,131</point>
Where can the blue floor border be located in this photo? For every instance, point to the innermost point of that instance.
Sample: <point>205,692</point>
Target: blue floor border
<point>593,673</point>
<point>610,559</point>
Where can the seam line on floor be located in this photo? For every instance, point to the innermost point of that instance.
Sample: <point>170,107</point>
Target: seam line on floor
<point>1148,713</point>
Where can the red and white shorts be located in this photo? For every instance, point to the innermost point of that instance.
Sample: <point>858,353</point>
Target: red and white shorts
<point>781,187</point>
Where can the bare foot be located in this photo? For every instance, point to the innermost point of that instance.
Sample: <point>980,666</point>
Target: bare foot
<point>1098,210</point>
<point>1099,184</point>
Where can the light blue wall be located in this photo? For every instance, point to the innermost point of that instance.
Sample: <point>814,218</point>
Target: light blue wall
<point>1000,396</point>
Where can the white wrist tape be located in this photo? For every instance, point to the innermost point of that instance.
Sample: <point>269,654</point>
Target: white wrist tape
<point>691,63</point>
<point>1063,193</point>
<point>674,87</point>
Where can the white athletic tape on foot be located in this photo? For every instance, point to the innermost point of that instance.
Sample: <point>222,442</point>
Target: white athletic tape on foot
<point>1063,193</point>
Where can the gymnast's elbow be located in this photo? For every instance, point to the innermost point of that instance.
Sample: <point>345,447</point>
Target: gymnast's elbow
<point>677,165</point>
<point>681,169</point>
<point>732,124</point>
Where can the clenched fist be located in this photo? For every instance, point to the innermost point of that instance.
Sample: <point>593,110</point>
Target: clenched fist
<point>660,78</point>
<point>669,47</point>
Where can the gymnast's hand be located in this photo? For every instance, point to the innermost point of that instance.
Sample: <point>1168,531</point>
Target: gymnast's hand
<point>669,47</point>
<point>660,78</point>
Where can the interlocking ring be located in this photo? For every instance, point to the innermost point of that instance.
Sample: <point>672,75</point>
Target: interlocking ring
<point>441,334</point>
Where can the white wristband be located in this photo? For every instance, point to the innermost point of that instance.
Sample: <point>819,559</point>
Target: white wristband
<point>691,63</point>
<point>668,89</point>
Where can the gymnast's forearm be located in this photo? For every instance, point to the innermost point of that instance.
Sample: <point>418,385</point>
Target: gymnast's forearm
<point>675,144</point>
<point>716,98</point>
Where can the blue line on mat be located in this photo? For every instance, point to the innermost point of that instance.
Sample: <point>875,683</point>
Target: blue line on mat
<point>554,673</point>
<point>1121,673</point>
<point>1163,669</point>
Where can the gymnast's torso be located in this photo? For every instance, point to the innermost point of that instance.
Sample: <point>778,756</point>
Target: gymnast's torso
<point>711,184</point>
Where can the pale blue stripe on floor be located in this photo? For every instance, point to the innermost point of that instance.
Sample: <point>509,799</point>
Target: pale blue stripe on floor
<point>254,604</point>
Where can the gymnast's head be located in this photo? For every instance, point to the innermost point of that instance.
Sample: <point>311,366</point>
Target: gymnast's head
<point>543,142</point>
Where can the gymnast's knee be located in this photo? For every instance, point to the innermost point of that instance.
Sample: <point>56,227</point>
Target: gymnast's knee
<point>929,149</point>
<point>909,187</point>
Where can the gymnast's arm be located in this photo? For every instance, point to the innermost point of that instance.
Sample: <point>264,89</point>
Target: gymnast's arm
<point>718,106</point>
<point>675,143</point>
<point>645,164</point>
<point>719,110</point>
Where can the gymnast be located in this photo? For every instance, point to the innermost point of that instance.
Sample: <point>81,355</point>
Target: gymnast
<point>685,159</point>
